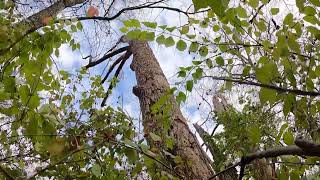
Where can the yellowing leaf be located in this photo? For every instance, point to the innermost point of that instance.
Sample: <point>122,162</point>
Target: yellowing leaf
<point>57,147</point>
<point>155,137</point>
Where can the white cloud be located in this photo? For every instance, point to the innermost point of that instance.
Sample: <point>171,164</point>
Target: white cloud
<point>67,58</point>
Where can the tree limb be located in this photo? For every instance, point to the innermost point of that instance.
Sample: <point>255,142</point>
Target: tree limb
<point>302,148</point>
<point>124,58</point>
<point>94,63</point>
<point>111,68</point>
<point>279,89</point>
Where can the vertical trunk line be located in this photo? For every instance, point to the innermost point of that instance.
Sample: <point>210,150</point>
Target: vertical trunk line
<point>151,86</point>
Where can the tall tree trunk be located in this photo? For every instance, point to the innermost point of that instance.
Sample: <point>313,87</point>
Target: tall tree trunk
<point>151,86</point>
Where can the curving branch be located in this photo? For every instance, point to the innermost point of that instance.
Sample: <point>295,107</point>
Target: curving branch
<point>302,148</point>
<point>34,22</point>
<point>109,55</point>
<point>277,88</point>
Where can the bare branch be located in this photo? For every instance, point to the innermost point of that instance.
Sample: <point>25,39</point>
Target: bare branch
<point>279,89</point>
<point>94,63</point>
<point>111,68</point>
<point>124,59</point>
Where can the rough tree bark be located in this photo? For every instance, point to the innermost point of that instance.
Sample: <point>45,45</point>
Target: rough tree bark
<point>34,21</point>
<point>151,86</point>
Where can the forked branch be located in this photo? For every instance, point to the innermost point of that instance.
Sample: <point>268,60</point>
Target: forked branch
<point>123,61</point>
<point>109,55</point>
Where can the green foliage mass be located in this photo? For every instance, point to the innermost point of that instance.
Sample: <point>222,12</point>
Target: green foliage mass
<point>272,53</point>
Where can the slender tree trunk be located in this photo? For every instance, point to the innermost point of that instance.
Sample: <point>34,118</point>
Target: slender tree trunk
<point>151,86</point>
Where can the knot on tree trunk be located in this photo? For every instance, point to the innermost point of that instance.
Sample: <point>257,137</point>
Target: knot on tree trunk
<point>136,90</point>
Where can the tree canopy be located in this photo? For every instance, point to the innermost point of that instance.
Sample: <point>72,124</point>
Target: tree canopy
<point>58,123</point>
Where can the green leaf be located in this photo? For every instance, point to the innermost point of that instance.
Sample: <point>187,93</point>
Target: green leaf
<point>228,85</point>
<point>220,61</point>
<point>253,3</point>
<point>9,84</point>
<point>34,101</point>
<point>288,20</point>
<point>134,34</point>
<point>283,127</point>
<point>147,36</point>
<point>241,12</point>
<point>218,6</point>
<point>132,23</point>
<point>216,28</point>
<point>199,4</point>
<point>181,97</point>
<point>266,95</point>
<point>131,154</point>
<point>33,126</point>
<point>24,93</point>
<point>169,42</point>
<point>170,143</point>
<point>182,73</point>
<point>124,29</point>
<point>189,85</point>
<point>274,11</point>
<point>315,2</point>
<point>193,47</point>
<point>203,51</point>
<point>267,73</point>
<point>288,137</point>
<point>161,39</point>
<point>96,170</point>
<point>292,43</point>
<point>310,11</point>
<point>289,102</point>
<point>152,25</point>
<point>209,63</point>
<point>181,45</point>
<point>155,137</point>
<point>79,26</point>
<point>184,30</point>
<point>197,74</point>
<point>254,134</point>
<point>246,70</point>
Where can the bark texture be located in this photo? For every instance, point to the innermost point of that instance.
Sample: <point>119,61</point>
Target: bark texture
<point>34,21</point>
<point>151,86</point>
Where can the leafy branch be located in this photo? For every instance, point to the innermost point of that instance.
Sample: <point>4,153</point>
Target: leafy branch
<point>301,148</point>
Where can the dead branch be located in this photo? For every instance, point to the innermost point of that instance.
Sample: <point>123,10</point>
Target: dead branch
<point>124,59</point>
<point>109,55</point>
<point>111,68</point>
